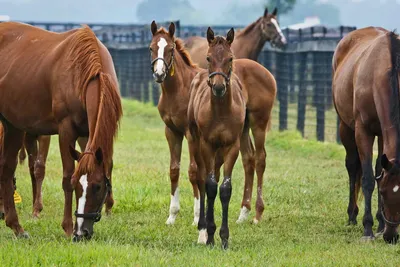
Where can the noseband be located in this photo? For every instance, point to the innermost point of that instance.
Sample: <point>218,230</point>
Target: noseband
<point>390,223</point>
<point>227,77</point>
<point>167,66</point>
<point>95,216</point>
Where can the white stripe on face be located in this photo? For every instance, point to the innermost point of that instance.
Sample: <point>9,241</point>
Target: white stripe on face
<point>81,202</point>
<point>160,64</point>
<point>283,39</point>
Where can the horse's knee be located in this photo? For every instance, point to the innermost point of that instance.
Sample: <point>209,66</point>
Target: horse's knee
<point>225,191</point>
<point>193,173</point>
<point>66,184</point>
<point>174,173</point>
<point>40,169</point>
<point>211,187</point>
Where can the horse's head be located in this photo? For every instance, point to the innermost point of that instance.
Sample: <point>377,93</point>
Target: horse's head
<point>389,189</point>
<point>220,60</point>
<point>162,48</point>
<point>91,188</point>
<point>271,30</point>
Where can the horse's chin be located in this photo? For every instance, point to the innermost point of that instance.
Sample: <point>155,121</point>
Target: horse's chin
<point>390,235</point>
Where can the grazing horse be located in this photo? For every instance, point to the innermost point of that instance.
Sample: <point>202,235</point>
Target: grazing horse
<point>173,68</point>
<point>216,114</point>
<point>366,67</point>
<point>248,42</point>
<point>65,84</point>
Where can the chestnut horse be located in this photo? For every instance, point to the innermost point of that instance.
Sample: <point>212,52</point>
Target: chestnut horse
<point>366,67</point>
<point>216,115</point>
<point>173,68</point>
<point>248,43</point>
<point>65,84</point>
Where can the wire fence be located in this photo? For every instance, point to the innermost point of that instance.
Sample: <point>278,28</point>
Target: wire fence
<point>303,71</point>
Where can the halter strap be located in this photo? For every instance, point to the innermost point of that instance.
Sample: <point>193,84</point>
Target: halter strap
<point>227,77</point>
<point>167,66</point>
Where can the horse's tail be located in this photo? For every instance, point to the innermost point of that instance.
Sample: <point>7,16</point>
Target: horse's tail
<point>22,153</point>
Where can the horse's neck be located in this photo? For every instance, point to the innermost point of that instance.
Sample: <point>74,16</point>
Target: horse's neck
<point>178,84</point>
<point>221,106</point>
<point>248,44</point>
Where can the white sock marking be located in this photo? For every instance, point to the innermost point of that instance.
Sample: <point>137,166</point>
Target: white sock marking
<point>174,207</point>
<point>279,30</point>
<point>196,210</point>
<point>244,213</point>
<point>81,202</point>
<point>202,237</point>
<point>160,64</point>
<point>396,188</point>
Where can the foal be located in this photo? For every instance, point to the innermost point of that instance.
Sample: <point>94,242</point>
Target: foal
<point>216,117</point>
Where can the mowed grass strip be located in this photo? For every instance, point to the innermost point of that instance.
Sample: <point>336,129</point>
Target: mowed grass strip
<point>304,223</point>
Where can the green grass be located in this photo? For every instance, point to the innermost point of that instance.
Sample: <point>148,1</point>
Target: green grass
<point>304,223</point>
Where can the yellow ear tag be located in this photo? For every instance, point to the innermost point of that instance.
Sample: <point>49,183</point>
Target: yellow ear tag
<point>172,72</point>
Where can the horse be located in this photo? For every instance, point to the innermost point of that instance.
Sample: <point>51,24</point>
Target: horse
<point>65,84</point>
<point>248,42</point>
<point>365,90</point>
<point>173,68</point>
<point>216,114</point>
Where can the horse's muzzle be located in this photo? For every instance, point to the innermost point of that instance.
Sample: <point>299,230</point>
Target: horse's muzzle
<point>219,90</point>
<point>390,236</point>
<point>159,78</point>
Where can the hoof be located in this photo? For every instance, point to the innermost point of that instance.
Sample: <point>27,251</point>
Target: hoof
<point>210,241</point>
<point>170,220</point>
<point>2,216</point>
<point>379,234</point>
<point>224,244</point>
<point>202,237</point>
<point>23,235</point>
<point>367,238</point>
<point>244,213</point>
<point>352,222</point>
<point>255,221</point>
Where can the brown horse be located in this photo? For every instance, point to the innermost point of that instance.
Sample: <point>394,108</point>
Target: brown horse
<point>366,67</point>
<point>173,68</point>
<point>216,115</point>
<point>248,42</point>
<point>65,84</point>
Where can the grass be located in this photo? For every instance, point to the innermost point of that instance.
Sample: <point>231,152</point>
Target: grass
<point>304,223</point>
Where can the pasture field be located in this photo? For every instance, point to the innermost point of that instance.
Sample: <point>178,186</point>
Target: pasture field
<point>304,223</point>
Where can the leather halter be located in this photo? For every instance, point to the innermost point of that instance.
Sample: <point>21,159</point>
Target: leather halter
<point>390,223</point>
<point>227,77</point>
<point>95,216</point>
<point>167,66</point>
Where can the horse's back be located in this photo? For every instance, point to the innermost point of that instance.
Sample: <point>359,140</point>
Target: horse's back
<point>360,62</point>
<point>197,48</point>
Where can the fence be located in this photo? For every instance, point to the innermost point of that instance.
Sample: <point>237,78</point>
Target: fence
<point>302,71</point>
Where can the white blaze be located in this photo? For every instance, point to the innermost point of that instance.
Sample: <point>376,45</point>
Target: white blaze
<point>174,207</point>
<point>81,202</point>
<point>396,188</point>
<point>160,64</point>
<point>279,30</point>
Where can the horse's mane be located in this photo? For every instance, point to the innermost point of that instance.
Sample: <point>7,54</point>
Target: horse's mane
<point>180,47</point>
<point>85,58</point>
<point>250,27</point>
<point>394,83</point>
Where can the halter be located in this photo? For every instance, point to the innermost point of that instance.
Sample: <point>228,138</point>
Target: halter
<point>390,223</point>
<point>167,66</point>
<point>95,216</point>
<point>227,77</point>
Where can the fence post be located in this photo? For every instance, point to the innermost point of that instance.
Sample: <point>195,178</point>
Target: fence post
<point>319,98</point>
<point>302,98</point>
<point>281,72</point>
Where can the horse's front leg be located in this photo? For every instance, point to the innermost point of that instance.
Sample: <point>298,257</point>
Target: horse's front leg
<point>208,154</point>
<point>175,148</point>
<point>225,190</point>
<point>193,169</point>
<point>67,138</point>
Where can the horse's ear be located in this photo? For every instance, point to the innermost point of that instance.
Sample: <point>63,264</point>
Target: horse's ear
<point>171,29</point>
<point>210,35</point>
<point>230,36</point>
<point>99,155</point>
<point>275,12</point>
<point>386,164</point>
<point>74,154</point>
<point>153,27</point>
<point>266,12</point>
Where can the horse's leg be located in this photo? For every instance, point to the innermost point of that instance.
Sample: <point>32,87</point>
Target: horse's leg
<point>353,166</point>
<point>40,171</point>
<point>219,160</point>
<point>378,171</point>
<point>248,160</point>
<point>208,154</point>
<point>193,178</point>
<point>175,148</point>
<point>365,141</point>
<point>225,190</point>
<point>67,138</point>
<point>8,162</point>
<point>259,133</point>
<point>30,144</point>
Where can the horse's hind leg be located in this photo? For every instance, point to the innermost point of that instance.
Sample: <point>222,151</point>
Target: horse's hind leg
<point>8,163</point>
<point>248,161</point>
<point>30,144</point>
<point>40,171</point>
<point>353,167</point>
<point>378,171</point>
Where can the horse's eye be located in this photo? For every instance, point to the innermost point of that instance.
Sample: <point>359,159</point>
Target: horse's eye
<point>95,188</point>
<point>151,49</point>
<point>231,59</point>
<point>208,59</point>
